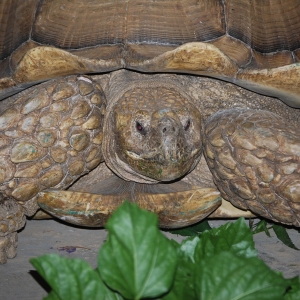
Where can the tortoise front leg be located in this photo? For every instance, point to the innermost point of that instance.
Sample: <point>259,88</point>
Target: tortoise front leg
<point>12,218</point>
<point>254,157</point>
<point>50,135</point>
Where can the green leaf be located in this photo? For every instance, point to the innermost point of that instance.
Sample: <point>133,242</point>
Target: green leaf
<point>192,230</point>
<point>294,292</point>
<point>183,287</point>
<point>107,293</point>
<point>227,276</point>
<point>234,237</point>
<point>137,260</point>
<point>69,278</point>
<point>261,226</point>
<point>282,235</point>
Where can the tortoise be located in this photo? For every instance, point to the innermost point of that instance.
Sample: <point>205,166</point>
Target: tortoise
<point>146,92</point>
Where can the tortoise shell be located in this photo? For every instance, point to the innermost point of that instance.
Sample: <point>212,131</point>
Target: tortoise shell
<point>254,44</point>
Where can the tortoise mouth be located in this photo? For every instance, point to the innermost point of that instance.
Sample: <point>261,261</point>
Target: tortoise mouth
<point>161,158</point>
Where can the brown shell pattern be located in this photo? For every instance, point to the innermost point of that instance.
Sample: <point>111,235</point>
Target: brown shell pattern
<point>254,44</point>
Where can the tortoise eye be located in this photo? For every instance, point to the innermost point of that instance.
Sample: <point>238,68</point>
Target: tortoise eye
<point>187,125</point>
<point>140,128</point>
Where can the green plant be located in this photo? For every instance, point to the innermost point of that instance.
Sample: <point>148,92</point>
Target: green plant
<point>137,261</point>
<point>262,225</point>
<point>279,230</point>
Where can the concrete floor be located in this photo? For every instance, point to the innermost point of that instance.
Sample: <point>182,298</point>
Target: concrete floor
<point>19,280</point>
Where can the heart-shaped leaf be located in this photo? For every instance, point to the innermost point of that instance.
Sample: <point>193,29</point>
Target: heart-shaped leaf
<point>137,260</point>
<point>71,278</point>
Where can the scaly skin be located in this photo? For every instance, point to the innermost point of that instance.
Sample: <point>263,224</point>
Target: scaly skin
<point>49,137</point>
<point>12,218</point>
<point>254,157</point>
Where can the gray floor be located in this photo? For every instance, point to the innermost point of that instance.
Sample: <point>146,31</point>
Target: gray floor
<point>19,280</point>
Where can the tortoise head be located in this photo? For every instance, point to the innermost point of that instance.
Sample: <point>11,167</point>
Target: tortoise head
<point>152,134</point>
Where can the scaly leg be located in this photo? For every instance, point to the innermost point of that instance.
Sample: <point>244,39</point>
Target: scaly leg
<point>12,218</point>
<point>254,157</point>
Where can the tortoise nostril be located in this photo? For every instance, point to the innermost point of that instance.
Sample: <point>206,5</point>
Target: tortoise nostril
<point>170,129</point>
<point>168,126</point>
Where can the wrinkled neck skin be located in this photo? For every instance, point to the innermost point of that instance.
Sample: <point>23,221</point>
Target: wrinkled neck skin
<point>152,133</point>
